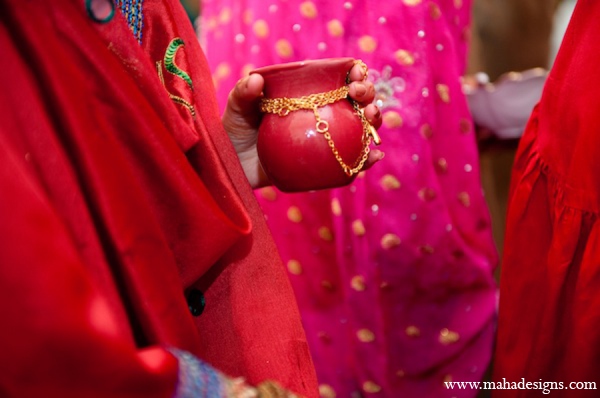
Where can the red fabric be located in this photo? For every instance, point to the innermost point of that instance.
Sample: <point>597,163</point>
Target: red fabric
<point>549,301</point>
<point>114,202</point>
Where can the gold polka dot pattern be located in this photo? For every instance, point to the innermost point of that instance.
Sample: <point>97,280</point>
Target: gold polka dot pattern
<point>404,57</point>
<point>268,193</point>
<point>442,165</point>
<point>427,194</point>
<point>335,28</point>
<point>367,43</point>
<point>371,387</point>
<point>389,241</point>
<point>294,214</point>
<point>426,131</point>
<point>413,331</point>
<point>283,48</point>
<point>358,228</point>
<point>308,10</point>
<point>444,92</point>
<point>336,208</point>
<point>358,283</point>
<point>389,182</point>
<point>326,391</point>
<point>465,199</point>
<point>448,337</point>
<point>392,119</point>
<point>365,335</point>
<point>434,11</point>
<point>261,29</point>
<point>325,234</point>
<point>225,16</point>
<point>294,267</point>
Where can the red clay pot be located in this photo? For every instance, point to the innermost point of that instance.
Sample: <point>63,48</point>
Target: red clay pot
<point>293,154</point>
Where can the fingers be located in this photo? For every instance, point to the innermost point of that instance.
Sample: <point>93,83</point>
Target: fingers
<point>362,92</point>
<point>244,97</point>
<point>374,156</point>
<point>373,115</point>
<point>358,72</point>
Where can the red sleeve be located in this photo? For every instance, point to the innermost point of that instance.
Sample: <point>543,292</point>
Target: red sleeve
<point>58,338</point>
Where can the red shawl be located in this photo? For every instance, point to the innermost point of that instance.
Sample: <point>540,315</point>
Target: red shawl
<point>116,202</point>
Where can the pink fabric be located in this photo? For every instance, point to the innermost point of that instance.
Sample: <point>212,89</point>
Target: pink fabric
<point>393,274</point>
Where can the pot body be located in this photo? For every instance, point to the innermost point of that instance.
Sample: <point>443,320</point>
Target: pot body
<point>295,156</point>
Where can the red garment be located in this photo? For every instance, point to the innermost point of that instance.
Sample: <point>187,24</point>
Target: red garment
<point>114,203</point>
<point>549,326</point>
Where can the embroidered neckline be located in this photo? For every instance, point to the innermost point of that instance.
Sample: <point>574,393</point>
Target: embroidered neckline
<point>133,12</point>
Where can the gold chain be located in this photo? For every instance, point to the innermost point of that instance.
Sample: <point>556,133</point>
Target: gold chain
<point>283,106</point>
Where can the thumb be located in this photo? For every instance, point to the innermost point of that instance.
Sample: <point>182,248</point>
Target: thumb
<point>244,97</point>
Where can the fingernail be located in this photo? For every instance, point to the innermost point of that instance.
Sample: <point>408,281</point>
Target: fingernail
<point>378,113</point>
<point>382,155</point>
<point>361,90</point>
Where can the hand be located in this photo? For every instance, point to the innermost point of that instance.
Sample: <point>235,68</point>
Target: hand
<point>242,118</point>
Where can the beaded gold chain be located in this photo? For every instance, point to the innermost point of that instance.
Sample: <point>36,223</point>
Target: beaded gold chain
<point>283,106</point>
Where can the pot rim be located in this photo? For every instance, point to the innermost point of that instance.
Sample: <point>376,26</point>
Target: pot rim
<point>298,64</point>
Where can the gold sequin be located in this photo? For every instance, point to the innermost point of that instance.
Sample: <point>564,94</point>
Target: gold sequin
<point>458,3</point>
<point>222,71</point>
<point>426,131</point>
<point>225,15</point>
<point>261,28</point>
<point>443,92</point>
<point>268,193</point>
<point>284,48</point>
<point>447,378</point>
<point>367,43</point>
<point>392,119</point>
<point>434,11</point>
<point>400,373</point>
<point>325,234</point>
<point>413,331</point>
<point>308,9</point>
<point>326,391</point>
<point>442,165</point>
<point>294,214</point>
<point>211,24</point>
<point>465,199</point>
<point>411,2</point>
<point>365,335</point>
<point>336,208</point>
<point>246,69</point>
<point>358,228</point>
<point>389,241</point>
<point>335,28</point>
<point>294,267</point>
<point>371,387</point>
<point>358,283</point>
<point>448,337</point>
<point>404,57</point>
<point>427,194</point>
<point>389,182</point>
<point>426,249</point>
<point>247,17</point>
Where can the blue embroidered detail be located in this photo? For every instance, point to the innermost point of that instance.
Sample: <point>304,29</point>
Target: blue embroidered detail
<point>133,12</point>
<point>386,87</point>
<point>196,378</point>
